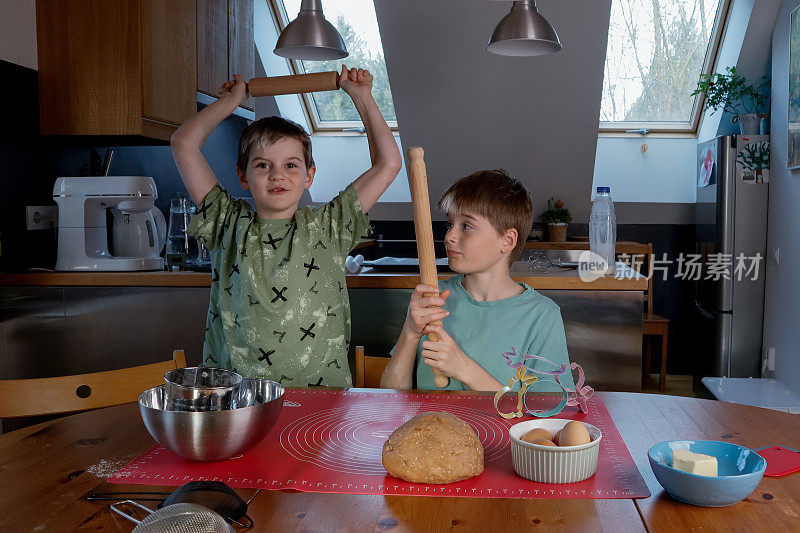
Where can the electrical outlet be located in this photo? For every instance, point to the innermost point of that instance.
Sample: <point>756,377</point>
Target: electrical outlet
<point>771,359</point>
<point>776,256</point>
<point>41,216</point>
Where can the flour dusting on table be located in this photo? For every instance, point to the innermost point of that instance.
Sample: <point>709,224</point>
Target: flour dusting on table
<point>106,468</point>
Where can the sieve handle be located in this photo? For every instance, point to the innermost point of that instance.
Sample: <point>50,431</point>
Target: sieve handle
<point>129,517</point>
<point>97,496</point>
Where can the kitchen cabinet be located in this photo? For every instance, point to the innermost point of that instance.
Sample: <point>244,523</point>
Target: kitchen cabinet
<point>225,44</point>
<point>116,67</point>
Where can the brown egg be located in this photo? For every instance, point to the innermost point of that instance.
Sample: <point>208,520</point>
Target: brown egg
<point>574,434</point>
<point>557,437</point>
<point>536,434</point>
<point>544,442</point>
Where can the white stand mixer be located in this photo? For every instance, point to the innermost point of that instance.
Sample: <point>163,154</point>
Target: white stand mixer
<point>138,233</point>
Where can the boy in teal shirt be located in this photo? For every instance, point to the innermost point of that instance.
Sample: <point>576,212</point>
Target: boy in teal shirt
<point>279,306</point>
<point>484,311</point>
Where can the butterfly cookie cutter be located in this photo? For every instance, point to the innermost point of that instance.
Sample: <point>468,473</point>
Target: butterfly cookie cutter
<point>578,396</point>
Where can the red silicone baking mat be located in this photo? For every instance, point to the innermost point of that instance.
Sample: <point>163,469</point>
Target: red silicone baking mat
<point>331,441</point>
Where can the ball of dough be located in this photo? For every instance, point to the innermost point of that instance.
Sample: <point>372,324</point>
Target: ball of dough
<point>433,448</point>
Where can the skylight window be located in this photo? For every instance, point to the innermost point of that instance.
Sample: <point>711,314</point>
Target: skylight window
<point>357,24</point>
<point>657,50</point>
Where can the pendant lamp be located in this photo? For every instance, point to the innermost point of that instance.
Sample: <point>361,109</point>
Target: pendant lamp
<point>310,36</point>
<point>523,32</point>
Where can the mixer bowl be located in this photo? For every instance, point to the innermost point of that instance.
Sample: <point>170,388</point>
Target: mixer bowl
<point>214,435</point>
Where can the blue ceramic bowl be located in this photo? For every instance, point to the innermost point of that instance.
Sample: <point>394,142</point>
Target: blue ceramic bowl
<point>740,470</point>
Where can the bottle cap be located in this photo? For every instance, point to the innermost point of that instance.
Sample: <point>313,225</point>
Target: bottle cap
<point>603,189</point>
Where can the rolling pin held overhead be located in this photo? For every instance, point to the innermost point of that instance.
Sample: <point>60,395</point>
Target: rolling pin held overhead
<point>294,84</point>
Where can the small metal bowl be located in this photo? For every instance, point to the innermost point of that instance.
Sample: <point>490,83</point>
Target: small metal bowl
<point>214,435</point>
<point>201,388</point>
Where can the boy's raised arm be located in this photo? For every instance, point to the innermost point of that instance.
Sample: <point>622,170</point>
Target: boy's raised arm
<point>189,139</point>
<point>383,152</point>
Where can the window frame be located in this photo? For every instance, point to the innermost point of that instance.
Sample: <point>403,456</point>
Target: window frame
<point>709,64</point>
<point>339,127</point>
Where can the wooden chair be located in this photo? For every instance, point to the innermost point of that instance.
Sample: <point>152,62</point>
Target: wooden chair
<point>369,369</point>
<point>653,325</point>
<point>63,394</point>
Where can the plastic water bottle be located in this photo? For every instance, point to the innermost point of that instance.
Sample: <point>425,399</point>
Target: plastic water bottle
<point>603,228</point>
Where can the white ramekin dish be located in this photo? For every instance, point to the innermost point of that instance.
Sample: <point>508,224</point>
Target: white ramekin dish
<point>553,464</point>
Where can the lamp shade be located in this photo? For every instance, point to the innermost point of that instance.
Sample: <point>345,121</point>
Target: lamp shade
<point>310,36</point>
<point>523,32</point>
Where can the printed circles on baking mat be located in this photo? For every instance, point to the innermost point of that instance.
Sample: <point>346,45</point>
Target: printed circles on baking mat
<point>350,439</point>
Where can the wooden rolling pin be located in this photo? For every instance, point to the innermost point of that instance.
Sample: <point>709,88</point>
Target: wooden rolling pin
<point>298,83</point>
<point>418,182</point>
<point>294,84</point>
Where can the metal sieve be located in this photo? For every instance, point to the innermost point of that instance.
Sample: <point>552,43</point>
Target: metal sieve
<point>201,388</point>
<point>177,518</point>
<point>214,495</point>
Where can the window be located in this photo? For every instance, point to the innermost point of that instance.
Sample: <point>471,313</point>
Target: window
<point>657,50</point>
<point>357,24</point>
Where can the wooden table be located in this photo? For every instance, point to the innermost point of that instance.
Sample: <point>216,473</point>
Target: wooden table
<point>47,470</point>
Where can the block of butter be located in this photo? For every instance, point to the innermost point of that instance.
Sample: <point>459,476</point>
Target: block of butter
<point>694,463</point>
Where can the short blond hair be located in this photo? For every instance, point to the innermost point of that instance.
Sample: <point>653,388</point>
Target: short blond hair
<point>498,197</point>
<point>268,131</point>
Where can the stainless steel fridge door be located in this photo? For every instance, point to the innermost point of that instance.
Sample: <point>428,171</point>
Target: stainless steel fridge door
<point>731,220</point>
<point>723,331</point>
<point>748,270</point>
<point>715,224</point>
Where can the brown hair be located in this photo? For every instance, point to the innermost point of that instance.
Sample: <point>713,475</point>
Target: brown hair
<point>268,131</point>
<point>498,197</point>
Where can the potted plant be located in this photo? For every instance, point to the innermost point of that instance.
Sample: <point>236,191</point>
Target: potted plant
<point>731,92</point>
<point>556,217</point>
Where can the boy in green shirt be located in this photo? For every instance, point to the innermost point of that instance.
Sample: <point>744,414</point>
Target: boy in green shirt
<point>279,306</point>
<point>484,311</point>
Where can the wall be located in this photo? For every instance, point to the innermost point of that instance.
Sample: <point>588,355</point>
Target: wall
<point>18,33</point>
<point>745,45</point>
<point>665,173</point>
<point>30,163</point>
<point>782,298</point>
<point>470,109</point>
<point>663,178</point>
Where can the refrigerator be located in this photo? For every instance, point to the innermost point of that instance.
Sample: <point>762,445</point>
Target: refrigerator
<point>731,218</point>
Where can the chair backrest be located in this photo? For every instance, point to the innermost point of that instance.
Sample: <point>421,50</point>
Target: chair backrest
<point>63,394</point>
<point>639,257</point>
<point>369,369</point>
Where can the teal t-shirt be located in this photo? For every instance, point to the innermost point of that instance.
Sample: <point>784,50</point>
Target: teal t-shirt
<point>279,307</point>
<point>484,330</point>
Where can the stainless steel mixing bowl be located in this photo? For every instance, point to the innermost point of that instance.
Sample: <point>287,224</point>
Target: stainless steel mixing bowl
<point>214,435</point>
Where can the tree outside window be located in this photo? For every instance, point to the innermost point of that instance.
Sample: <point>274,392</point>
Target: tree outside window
<point>657,50</point>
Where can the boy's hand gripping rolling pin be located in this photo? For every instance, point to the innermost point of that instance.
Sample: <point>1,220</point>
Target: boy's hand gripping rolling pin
<point>418,182</point>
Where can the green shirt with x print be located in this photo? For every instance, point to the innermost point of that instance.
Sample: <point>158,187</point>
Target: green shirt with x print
<point>279,307</point>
